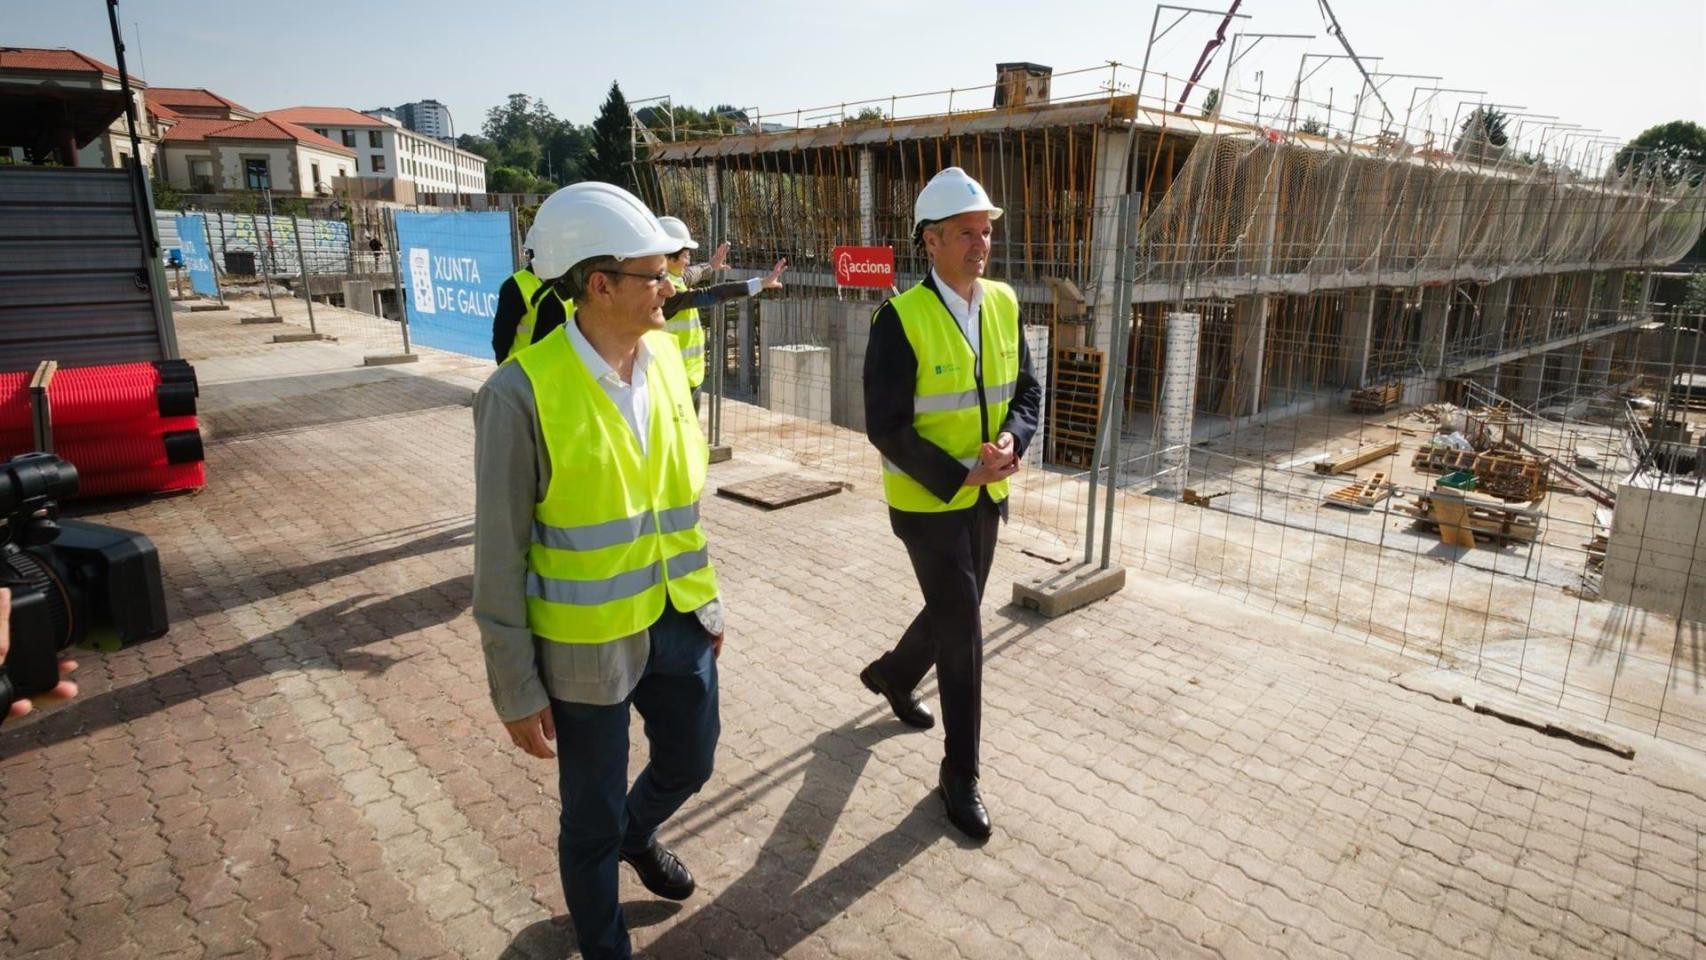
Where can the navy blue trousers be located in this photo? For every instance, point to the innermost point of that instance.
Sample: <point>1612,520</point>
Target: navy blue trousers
<point>677,698</point>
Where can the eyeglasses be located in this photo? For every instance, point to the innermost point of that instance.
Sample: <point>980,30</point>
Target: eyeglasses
<point>651,279</point>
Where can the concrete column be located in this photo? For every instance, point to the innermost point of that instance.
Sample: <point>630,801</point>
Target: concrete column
<point>867,199</point>
<point>1179,399</point>
<point>1436,307</point>
<point>1250,339</point>
<point>1495,309</point>
<point>1357,318</point>
<point>1529,383</point>
<point>1104,280</point>
<point>1610,307</point>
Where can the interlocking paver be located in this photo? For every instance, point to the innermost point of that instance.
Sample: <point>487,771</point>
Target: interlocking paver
<point>307,765</point>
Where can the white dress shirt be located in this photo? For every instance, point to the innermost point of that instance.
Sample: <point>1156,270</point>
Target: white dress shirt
<point>631,398</point>
<point>966,314</point>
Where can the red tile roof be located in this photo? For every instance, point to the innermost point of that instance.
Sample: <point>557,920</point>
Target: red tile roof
<point>326,117</point>
<point>197,129</point>
<point>272,128</point>
<point>163,112</point>
<point>194,97</point>
<point>57,59</point>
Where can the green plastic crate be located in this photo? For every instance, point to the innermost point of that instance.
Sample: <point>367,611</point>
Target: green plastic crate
<point>1458,480</point>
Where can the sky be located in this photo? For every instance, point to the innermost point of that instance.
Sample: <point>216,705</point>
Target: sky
<point>1618,67</point>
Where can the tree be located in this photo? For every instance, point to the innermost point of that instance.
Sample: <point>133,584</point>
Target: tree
<point>612,142</point>
<point>1313,126</point>
<point>1676,150</point>
<point>1482,135</point>
<point>868,114</point>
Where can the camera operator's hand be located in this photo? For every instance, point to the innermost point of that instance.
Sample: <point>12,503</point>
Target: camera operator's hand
<point>66,689</point>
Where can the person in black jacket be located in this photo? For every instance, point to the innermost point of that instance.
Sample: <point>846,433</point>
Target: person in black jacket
<point>951,403</point>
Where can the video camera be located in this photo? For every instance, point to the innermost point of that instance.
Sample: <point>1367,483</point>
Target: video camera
<point>72,582</point>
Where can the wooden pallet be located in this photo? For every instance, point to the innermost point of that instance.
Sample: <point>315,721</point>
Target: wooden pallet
<point>1196,499</point>
<point>1461,520</point>
<point>1363,495</point>
<point>1516,477</point>
<point>1376,399</point>
<point>1075,405</point>
<point>1351,461</point>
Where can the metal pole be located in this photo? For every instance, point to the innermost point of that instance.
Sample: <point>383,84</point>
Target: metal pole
<point>266,281</point>
<point>1121,336</point>
<point>397,279</point>
<point>714,417</point>
<point>302,268</point>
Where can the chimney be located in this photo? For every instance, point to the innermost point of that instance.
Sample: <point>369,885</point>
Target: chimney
<point>1021,84</point>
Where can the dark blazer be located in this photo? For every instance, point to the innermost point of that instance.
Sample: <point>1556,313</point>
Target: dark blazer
<point>891,377</point>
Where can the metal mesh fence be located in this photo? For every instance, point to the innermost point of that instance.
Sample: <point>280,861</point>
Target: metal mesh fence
<point>1434,404</point>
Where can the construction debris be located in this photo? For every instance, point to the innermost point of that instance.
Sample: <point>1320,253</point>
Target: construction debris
<point>1350,461</point>
<point>1461,519</point>
<point>1509,476</point>
<point>1376,399</point>
<point>1196,499</point>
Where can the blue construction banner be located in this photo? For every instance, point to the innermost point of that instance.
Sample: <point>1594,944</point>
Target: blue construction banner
<point>198,259</point>
<point>453,265</point>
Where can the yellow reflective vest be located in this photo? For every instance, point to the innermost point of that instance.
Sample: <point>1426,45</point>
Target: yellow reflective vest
<point>960,400</point>
<point>529,285</point>
<point>617,531</point>
<point>689,336</point>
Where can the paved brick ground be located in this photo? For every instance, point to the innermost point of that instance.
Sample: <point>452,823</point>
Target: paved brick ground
<point>307,764</point>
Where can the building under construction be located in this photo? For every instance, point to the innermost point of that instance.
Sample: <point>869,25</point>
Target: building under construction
<point>1259,322</point>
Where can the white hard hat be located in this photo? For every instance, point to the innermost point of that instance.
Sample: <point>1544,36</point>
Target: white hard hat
<point>592,219</point>
<point>675,228</point>
<point>950,193</point>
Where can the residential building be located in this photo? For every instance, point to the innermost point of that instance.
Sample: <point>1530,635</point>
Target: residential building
<point>69,68</point>
<point>426,117</point>
<point>385,149</point>
<point>214,145</point>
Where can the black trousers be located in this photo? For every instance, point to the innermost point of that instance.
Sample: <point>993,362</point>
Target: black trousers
<point>951,554</point>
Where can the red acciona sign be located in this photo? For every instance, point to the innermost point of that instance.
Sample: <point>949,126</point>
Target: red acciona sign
<point>863,266</point>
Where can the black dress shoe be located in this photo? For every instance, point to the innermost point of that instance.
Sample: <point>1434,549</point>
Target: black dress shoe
<point>907,708</point>
<point>661,871</point>
<point>965,804</point>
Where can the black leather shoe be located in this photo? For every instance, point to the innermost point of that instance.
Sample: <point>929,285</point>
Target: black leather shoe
<point>965,804</point>
<point>908,709</point>
<point>662,872</point>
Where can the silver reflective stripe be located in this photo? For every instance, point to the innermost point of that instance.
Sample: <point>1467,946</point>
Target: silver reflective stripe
<point>586,593</point>
<point>963,400</point>
<point>678,519</point>
<point>593,536</point>
<point>683,564</point>
<point>692,352</point>
<point>1000,392</point>
<point>680,326</point>
<point>889,465</point>
<point>944,402</point>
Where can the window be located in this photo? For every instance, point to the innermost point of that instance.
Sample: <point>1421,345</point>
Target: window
<point>375,139</point>
<point>321,131</point>
<point>349,138</point>
<point>379,164</point>
<point>201,175</point>
<point>314,171</point>
<point>256,175</point>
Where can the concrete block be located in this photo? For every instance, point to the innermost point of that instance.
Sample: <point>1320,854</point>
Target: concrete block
<point>207,307</point>
<point>1065,589</point>
<point>1631,513</point>
<point>797,380</point>
<point>386,359</point>
<point>358,295</point>
<point>1673,517</point>
<point>261,320</point>
<point>721,452</point>
<point>299,337</point>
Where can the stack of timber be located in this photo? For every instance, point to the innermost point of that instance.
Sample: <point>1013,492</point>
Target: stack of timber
<point>1076,409</point>
<point>1461,520</point>
<point>1362,495</point>
<point>1350,461</point>
<point>1517,477</point>
<point>1376,399</point>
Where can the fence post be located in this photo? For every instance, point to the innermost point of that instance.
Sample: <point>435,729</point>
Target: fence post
<point>408,355</point>
<point>307,291</point>
<point>717,351</point>
<point>1120,341</point>
<point>266,280</point>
